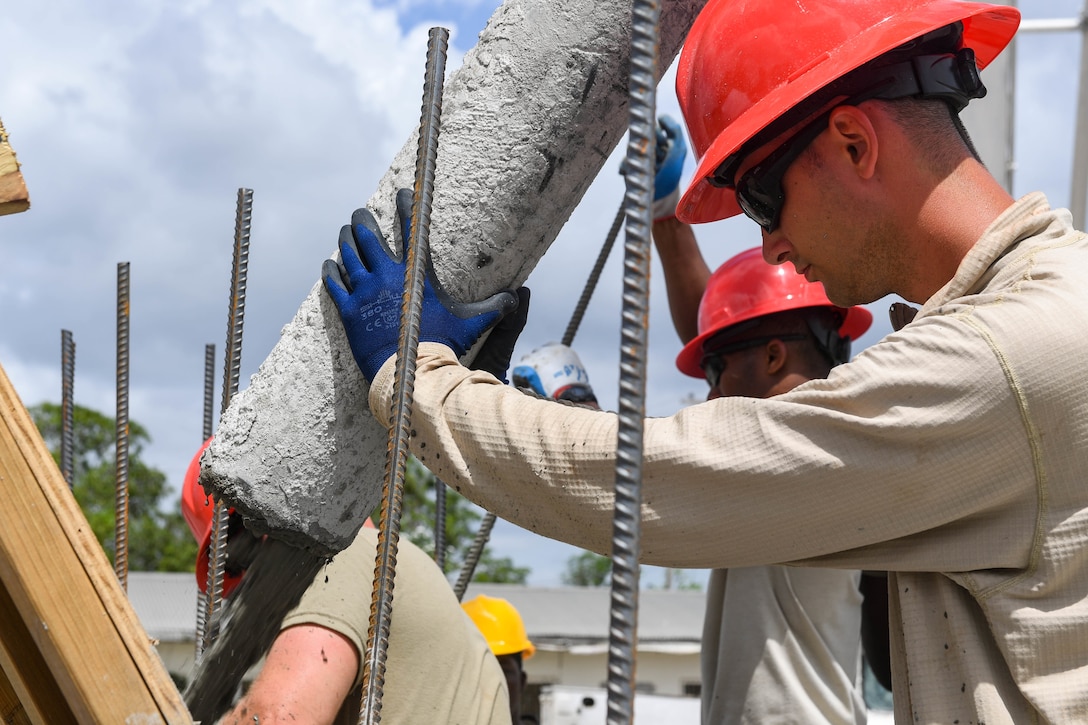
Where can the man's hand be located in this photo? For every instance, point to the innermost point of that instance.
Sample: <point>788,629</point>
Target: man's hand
<point>368,284</point>
<point>669,162</point>
<point>494,355</point>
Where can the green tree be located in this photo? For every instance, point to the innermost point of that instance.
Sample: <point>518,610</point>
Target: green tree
<point>462,521</point>
<point>587,569</point>
<point>158,540</point>
<point>679,580</point>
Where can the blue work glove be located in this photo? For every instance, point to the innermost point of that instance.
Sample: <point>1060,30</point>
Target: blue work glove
<point>671,148</point>
<point>368,284</point>
<point>494,355</point>
<point>668,163</point>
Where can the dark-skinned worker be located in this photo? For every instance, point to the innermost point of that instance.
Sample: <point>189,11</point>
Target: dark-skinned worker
<point>438,667</point>
<point>501,625</point>
<point>780,644</point>
<point>951,454</point>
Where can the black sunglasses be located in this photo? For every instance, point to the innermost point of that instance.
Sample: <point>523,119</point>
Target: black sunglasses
<point>713,362</point>
<point>759,190</point>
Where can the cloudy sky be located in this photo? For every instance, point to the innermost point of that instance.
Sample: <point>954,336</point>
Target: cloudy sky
<point>136,122</point>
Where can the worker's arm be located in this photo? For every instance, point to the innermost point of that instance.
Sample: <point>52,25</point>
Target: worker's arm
<point>729,482</point>
<point>308,673</point>
<point>686,273</point>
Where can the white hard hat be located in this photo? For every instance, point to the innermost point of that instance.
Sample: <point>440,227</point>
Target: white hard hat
<point>554,371</point>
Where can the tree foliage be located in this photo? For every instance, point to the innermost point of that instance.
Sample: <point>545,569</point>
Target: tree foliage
<point>587,569</point>
<point>158,537</point>
<point>462,521</point>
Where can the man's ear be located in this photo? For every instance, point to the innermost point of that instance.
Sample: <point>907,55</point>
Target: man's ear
<point>775,355</point>
<point>853,132</point>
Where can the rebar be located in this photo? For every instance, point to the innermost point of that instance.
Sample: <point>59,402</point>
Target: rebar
<point>232,365</point>
<point>474,553</point>
<point>120,531</point>
<point>440,523</point>
<point>594,277</point>
<point>67,403</point>
<point>627,519</point>
<point>404,379</point>
<point>209,403</point>
<point>209,390</point>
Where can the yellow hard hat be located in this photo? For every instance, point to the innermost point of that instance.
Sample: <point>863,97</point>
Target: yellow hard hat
<point>500,624</point>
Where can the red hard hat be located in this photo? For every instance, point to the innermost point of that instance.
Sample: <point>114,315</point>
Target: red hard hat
<point>746,62</point>
<point>746,287</point>
<point>198,510</point>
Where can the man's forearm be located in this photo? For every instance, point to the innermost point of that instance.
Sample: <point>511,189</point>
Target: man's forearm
<point>686,273</point>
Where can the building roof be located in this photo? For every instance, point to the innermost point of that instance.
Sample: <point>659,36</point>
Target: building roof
<point>577,617</point>
<point>557,618</point>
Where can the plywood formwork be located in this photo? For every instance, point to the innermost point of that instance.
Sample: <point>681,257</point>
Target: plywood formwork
<point>71,647</point>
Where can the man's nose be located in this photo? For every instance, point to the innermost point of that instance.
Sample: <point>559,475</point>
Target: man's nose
<point>776,250</point>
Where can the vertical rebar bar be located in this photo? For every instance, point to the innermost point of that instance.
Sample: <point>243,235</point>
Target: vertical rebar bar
<point>594,277</point>
<point>232,365</point>
<point>440,523</point>
<point>473,557</point>
<point>209,390</point>
<point>404,380</point>
<point>627,519</point>
<point>120,535</point>
<point>67,403</point>
<point>209,413</point>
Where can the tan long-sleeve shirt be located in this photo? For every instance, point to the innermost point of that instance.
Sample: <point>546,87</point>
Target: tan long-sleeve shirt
<point>953,453</point>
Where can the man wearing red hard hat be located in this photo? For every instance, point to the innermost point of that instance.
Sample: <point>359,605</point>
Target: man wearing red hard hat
<point>951,453</point>
<point>780,643</point>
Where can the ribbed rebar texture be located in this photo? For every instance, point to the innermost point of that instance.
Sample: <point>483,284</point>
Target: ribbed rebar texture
<point>594,277</point>
<point>209,391</point>
<point>232,364</point>
<point>120,535</point>
<point>404,380</point>
<point>440,523</point>
<point>474,553</point>
<point>209,413</point>
<point>627,519</point>
<point>67,404</point>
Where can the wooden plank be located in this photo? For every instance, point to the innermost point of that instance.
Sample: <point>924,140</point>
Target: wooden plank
<point>14,197</point>
<point>30,682</point>
<point>65,590</point>
<point>11,710</point>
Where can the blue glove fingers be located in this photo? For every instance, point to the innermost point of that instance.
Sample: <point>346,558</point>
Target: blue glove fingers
<point>459,324</point>
<point>370,245</point>
<point>352,266</point>
<point>670,137</point>
<point>671,127</point>
<point>333,276</point>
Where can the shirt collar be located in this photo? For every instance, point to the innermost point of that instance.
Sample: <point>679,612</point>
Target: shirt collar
<point>1027,217</point>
